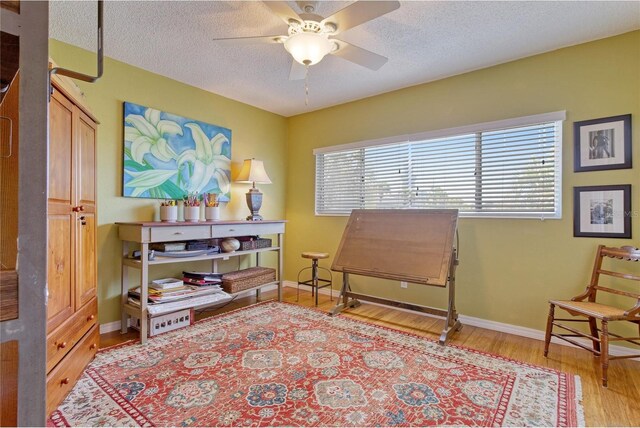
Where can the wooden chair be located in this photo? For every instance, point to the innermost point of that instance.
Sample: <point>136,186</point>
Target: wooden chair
<point>585,305</point>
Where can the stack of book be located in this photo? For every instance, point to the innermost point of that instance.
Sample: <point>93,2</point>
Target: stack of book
<point>202,279</point>
<point>168,246</point>
<point>172,294</point>
<point>166,283</point>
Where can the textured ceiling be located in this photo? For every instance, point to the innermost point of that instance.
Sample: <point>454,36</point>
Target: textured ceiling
<point>424,41</point>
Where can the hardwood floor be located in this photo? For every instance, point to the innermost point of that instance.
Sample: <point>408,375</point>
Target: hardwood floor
<point>617,405</point>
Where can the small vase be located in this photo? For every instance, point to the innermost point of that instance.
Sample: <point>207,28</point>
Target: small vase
<point>169,213</point>
<point>212,213</point>
<point>191,214</point>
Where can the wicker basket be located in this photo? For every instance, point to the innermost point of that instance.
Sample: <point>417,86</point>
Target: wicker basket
<point>254,244</point>
<point>245,279</point>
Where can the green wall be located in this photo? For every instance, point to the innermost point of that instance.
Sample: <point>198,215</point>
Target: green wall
<point>255,133</point>
<point>509,268</point>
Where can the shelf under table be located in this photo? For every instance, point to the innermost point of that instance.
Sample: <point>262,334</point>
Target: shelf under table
<point>135,310</point>
<point>158,260</point>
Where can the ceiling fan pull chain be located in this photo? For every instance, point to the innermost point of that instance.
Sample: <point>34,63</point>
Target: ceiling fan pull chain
<point>306,85</point>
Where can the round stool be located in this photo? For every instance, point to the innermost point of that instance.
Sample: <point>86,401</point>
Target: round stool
<point>315,282</point>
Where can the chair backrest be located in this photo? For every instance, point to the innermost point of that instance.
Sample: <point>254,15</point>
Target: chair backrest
<point>626,253</point>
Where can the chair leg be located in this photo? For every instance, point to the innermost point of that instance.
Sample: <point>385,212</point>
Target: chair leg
<point>604,355</point>
<point>547,336</point>
<point>314,273</point>
<point>594,332</point>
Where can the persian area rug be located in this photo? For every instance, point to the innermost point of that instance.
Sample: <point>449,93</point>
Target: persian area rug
<point>278,364</point>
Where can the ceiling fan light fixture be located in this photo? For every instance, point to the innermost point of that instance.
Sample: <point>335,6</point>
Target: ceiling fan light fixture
<point>308,48</point>
<point>330,27</point>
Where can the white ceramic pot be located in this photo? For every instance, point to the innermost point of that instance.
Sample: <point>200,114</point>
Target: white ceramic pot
<point>212,213</point>
<point>169,213</point>
<point>229,245</point>
<point>191,214</point>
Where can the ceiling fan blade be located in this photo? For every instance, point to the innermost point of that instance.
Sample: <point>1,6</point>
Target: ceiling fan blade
<point>283,10</point>
<point>358,55</point>
<point>359,13</point>
<point>298,71</point>
<point>249,40</point>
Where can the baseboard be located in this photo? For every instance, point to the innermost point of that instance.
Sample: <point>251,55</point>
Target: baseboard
<point>110,326</point>
<point>495,326</point>
<point>465,320</point>
<point>115,325</point>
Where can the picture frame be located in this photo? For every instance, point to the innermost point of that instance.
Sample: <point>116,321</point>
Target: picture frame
<point>602,144</point>
<point>602,211</point>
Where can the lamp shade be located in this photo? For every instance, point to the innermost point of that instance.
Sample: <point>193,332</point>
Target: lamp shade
<point>253,172</point>
<point>308,48</point>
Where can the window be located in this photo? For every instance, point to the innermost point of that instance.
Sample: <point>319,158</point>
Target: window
<point>509,168</point>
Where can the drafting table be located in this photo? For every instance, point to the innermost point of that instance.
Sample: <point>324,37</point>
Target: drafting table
<point>404,245</point>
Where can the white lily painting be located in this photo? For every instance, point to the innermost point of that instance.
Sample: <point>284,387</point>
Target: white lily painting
<point>168,156</point>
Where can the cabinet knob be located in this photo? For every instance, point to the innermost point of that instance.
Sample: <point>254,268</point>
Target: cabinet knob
<point>62,345</point>
<point>91,317</point>
<point>65,381</point>
<point>93,346</point>
<point>178,233</point>
<point>78,208</point>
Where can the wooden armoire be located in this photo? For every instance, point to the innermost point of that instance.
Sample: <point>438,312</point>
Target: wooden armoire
<point>72,309</point>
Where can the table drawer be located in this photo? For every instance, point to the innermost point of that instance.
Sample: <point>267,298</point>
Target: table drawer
<point>65,375</point>
<point>256,228</point>
<point>61,340</point>
<point>179,233</point>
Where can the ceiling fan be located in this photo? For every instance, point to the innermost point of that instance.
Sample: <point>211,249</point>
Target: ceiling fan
<point>310,36</point>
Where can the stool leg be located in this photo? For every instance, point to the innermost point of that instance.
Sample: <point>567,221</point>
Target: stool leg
<point>313,263</point>
<point>314,273</point>
<point>298,285</point>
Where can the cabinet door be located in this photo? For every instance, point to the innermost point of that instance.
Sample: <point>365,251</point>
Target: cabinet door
<point>60,271</point>
<point>86,278</point>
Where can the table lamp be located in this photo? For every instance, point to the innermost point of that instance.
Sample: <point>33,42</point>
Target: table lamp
<point>253,172</point>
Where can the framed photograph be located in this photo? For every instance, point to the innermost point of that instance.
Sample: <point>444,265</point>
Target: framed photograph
<point>602,211</point>
<point>601,144</point>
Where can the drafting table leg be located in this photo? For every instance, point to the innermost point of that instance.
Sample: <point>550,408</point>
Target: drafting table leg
<point>344,292</point>
<point>452,323</point>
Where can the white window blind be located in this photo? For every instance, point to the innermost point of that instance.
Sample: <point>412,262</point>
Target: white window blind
<point>507,168</point>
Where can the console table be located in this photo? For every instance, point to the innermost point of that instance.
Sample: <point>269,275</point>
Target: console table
<point>145,233</point>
